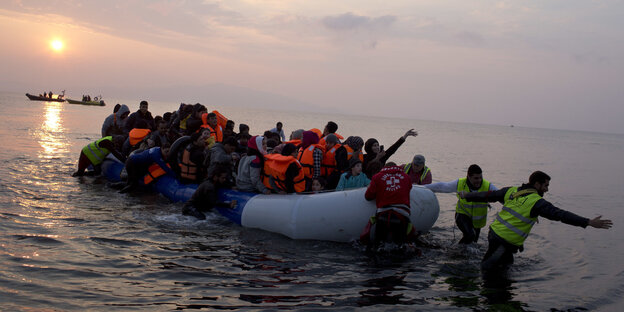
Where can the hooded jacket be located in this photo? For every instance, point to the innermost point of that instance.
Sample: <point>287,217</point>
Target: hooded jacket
<point>113,124</point>
<point>250,167</point>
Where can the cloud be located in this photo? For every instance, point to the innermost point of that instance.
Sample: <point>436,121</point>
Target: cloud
<point>352,22</point>
<point>470,38</point>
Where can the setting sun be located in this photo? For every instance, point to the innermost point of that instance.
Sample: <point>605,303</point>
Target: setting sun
<point>57,45</point>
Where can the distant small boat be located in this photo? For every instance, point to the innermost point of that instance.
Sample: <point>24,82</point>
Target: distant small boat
<point>95,102</point>
<point>43,98</point>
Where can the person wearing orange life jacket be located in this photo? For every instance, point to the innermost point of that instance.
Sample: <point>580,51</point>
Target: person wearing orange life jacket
<point>221,120</point>
<point>328,166</point>
<point>311,155</point>
<point>351,147</point>
<point>330,128</point>
<point>147,166</point>
<point>94,153</point>
<point>282,172</point>
<point>418,172</point>
<point>295,137</point>
<point>192,158</point>
<point>209,121</point>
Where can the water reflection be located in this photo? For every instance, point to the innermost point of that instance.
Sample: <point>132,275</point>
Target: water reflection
<point>51,135</point>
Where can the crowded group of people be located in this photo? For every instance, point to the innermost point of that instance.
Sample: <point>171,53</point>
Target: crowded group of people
<point>199,146</point>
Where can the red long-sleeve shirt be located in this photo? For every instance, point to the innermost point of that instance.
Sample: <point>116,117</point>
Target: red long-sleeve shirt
<point>390,186</point>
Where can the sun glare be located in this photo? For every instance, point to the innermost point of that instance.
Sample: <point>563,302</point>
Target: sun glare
<point>57,45</point>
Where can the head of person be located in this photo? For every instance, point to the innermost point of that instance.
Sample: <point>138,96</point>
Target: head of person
<point>230,144</point>
<point>540,181</point>
<point>330,140</point>
<point>330,127</point>
<point>143,106</point>
<point>162,126</point>
<point>229,124</point>
<point>116,108</point>
<point>418,163</point>
<point>289,149</point>
<point>475,175</point>
<point>279,126</point>
<point>257,145</point>
<point>199,110</point>
<point>309,138</point>
<point>355,142</point>
<point>167,116</point>
<point>243,139</point>
<point>390,164</point>
<point>318,184</point>
<point>212,120</point>
<point>355,164</point>
<point>271,144</point>
<point>297,134</point>
<point>220,174</point>
<point>243,128</point>
<point>227,133</point>
<point>371,146</point>
<point>199,138</point>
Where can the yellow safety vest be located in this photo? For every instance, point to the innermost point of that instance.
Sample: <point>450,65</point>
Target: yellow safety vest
<point>95,153</point>
<point>514,221</point>
<point>475,210</point>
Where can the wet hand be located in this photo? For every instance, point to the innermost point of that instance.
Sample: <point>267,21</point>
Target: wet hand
<point>600,224</point>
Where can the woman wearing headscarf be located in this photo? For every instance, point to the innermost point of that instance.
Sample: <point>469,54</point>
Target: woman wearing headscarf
<point>250,167</point>
<point>351,147</point>
<point>375,152</point>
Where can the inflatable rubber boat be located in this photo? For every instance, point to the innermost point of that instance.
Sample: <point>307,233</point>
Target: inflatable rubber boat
<point>338,216</point>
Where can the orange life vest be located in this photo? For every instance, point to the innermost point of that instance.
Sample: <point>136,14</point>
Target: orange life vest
<point>217,133</point>
<point>188,169</point>
<point>350,153</point>
<point>137,135</point>
<point>153,172</point>
<point>329,161</point>
<point>221,120</point>
<point>295,142</point>
<point>306,158</point>
<point>275,166</point>
<point>322,140</point>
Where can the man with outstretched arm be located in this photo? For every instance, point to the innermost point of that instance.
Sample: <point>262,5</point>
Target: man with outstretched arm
<point>521,208</point>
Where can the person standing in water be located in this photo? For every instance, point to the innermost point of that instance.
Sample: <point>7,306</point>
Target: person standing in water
<point>521,208</point>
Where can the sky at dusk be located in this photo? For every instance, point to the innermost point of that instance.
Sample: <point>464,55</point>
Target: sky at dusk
<point>546,64</point>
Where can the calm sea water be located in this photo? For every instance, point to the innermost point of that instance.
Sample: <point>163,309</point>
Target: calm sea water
<point>73,244</point>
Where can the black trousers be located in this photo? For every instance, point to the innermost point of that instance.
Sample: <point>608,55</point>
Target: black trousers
<point>464,223</point>
<point>391,227</point>
<point>499,254</point>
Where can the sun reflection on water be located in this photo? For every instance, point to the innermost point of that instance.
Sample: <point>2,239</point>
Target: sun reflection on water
<point>51,135</point>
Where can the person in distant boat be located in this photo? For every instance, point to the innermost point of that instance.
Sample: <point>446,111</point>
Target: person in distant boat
<point>376,152</point>
<point>418,172</point>
<point>206,196</point>
<point>94,153</point>
<point>470,217</point>
<point>521,208</point>
<point>354,178</point>
<point>114,124</point>
<point>390,189</point>
<point>249,176</point>
<point>147,165</point>
<point>279,130</point>
<point>141,114</point>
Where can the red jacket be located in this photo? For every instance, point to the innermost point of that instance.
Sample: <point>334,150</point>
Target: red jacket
<point>389,187</point>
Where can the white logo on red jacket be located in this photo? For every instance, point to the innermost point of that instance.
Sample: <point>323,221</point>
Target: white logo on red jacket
<point>393,181</point>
